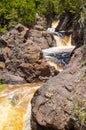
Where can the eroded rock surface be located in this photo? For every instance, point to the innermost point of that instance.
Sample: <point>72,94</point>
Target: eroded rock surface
<point>61,103</point>
<point>21,55</point>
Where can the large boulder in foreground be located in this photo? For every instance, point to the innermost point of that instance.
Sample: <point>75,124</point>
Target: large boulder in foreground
<point>61,103</point>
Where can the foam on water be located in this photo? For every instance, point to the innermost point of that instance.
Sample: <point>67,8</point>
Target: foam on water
<point>15,106</point>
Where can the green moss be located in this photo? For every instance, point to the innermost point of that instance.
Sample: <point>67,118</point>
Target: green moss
<point>82,78</point>
<point>80,111</point>
<point>2,86</point>
<point>82,115</point>
<point>83,63</point>
<point>3,30</point>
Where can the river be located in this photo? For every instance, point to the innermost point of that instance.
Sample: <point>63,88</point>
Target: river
<point>15,100</point>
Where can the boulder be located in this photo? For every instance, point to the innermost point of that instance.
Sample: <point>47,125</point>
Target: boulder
<point>8,78</point>
<point>60,104</point>
<point>41,38</point>
<point>21,54</point>
<point>39,71</point>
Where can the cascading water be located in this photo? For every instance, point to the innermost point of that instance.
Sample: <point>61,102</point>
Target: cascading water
<point>59,55</point>
<point>15,100</point>
<point>15,106</point>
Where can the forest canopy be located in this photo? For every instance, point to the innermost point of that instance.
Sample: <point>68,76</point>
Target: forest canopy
<point>24,11</point>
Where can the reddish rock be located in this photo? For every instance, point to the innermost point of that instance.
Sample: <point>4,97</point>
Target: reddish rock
<point>38,71</point>
<point>22,46</point>
<point>61,103</point>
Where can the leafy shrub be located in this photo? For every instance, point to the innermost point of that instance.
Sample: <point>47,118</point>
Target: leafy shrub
<point>15,11</point>
<point>23,11</point>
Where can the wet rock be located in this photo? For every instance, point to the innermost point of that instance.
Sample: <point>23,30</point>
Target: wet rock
<point>64,23</point>
<point>73,26</point>
<point>60,103</point>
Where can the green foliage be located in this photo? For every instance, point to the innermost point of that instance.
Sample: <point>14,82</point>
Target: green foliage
<point>80,110</point>
<point>72,6</point>
<point>15,11</point>
<point>48,7</point>
<point>59,6</point>
<point>52,9</point>
<point>23,11</point>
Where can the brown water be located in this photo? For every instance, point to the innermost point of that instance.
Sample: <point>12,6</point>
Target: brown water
<point>65,41</point>
<point>15,107</point>
<point>15,100</point>
<point>61,42</point>
<point>58,37</point>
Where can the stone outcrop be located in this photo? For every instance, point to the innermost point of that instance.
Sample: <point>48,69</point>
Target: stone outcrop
<point>8,78</point>
<point>21,55</point>
<point>74,26</point>
<point>60,104</point>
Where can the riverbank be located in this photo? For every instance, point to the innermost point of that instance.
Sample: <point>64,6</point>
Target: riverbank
<point>60,103</point>
<point>21,62</point>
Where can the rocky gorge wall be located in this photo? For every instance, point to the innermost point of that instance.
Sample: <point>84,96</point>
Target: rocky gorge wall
<point>21,58</point>
<point>60,103</point>
<point>75,26</point>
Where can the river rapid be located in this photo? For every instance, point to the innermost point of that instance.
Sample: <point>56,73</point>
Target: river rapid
<point>15,106</point>
<point>15,100</point>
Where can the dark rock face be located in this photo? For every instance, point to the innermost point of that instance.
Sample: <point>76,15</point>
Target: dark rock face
<point>60,104</point>
<point>72,25</point>
<point>21,54</point>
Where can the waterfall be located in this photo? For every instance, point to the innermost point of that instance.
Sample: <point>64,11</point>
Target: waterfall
<point>15,100</point>
<point>59,38</point>
<point>62,41</point>
<point>59,55</point>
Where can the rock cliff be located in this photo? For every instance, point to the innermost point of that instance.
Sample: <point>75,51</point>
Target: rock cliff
<point>21,58</point>
<point>60,104</point>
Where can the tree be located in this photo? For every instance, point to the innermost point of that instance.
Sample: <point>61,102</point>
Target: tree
<point>15,11</point>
